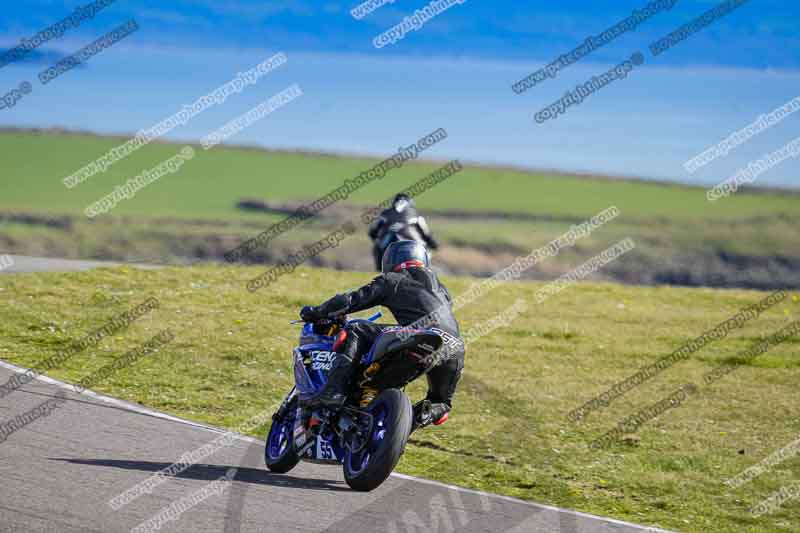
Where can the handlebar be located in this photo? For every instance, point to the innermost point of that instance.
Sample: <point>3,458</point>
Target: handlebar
<point>373,318</point>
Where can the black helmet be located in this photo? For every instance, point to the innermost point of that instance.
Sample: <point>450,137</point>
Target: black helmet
<point>403,200</point>
<point>404,254</point>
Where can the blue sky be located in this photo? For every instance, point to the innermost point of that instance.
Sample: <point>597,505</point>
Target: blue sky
<point>454,73</point>
<point>761,34</point>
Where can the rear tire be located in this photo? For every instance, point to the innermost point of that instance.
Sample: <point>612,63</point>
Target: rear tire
<point>367,469</point>
<point>279,453</point>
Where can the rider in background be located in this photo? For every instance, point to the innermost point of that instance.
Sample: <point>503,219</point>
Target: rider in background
<point>399,223</point>
<point>411,291</point>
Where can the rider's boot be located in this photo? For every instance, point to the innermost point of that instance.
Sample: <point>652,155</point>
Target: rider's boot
<point>427,413</point>
<point>334,393</point>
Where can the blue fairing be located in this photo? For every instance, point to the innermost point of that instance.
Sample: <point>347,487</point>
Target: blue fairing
<point>314,357</point>
<point>308,380</point>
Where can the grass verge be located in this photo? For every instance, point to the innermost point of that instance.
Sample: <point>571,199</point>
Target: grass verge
<point>509,433</point>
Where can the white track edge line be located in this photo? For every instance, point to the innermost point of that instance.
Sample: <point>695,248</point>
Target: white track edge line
<point>122,403</point>
<point>164,416</point>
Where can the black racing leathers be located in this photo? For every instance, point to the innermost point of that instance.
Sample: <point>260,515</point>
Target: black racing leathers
<point>412,295</point>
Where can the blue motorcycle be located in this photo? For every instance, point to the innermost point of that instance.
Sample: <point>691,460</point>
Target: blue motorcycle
<point>368,434</point>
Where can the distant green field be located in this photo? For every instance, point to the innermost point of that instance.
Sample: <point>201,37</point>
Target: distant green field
<point>210,185</point>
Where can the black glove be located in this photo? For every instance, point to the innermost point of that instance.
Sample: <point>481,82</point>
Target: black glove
<point>309,314</point>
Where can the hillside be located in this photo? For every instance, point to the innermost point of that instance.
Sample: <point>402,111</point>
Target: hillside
<point>485,216</point>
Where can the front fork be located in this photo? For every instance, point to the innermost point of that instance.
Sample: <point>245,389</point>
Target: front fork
<point>284,408</point>
<point>300,439</point>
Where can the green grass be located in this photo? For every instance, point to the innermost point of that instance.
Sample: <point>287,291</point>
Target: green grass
<point>747,240</point>
<point>210,185</point>
<point>509,433</point>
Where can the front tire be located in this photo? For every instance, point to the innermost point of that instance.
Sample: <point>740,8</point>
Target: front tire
<point>279,453</point>
<point>368,468</point>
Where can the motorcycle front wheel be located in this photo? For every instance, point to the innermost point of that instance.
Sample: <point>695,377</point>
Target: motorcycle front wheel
<point>279,453</point>
<point>369,467</point>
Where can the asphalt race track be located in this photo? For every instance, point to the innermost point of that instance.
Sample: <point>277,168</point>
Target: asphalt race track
<point>23,263</point>
<point>59,472</point>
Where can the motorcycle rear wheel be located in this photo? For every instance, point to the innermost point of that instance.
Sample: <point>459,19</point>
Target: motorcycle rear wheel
<point>370,466</point>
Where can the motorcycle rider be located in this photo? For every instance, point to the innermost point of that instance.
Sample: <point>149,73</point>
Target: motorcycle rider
<point>401,221</point>
<point>411,291</point>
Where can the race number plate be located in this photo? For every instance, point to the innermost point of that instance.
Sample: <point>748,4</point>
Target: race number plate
<point>325,450</point>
